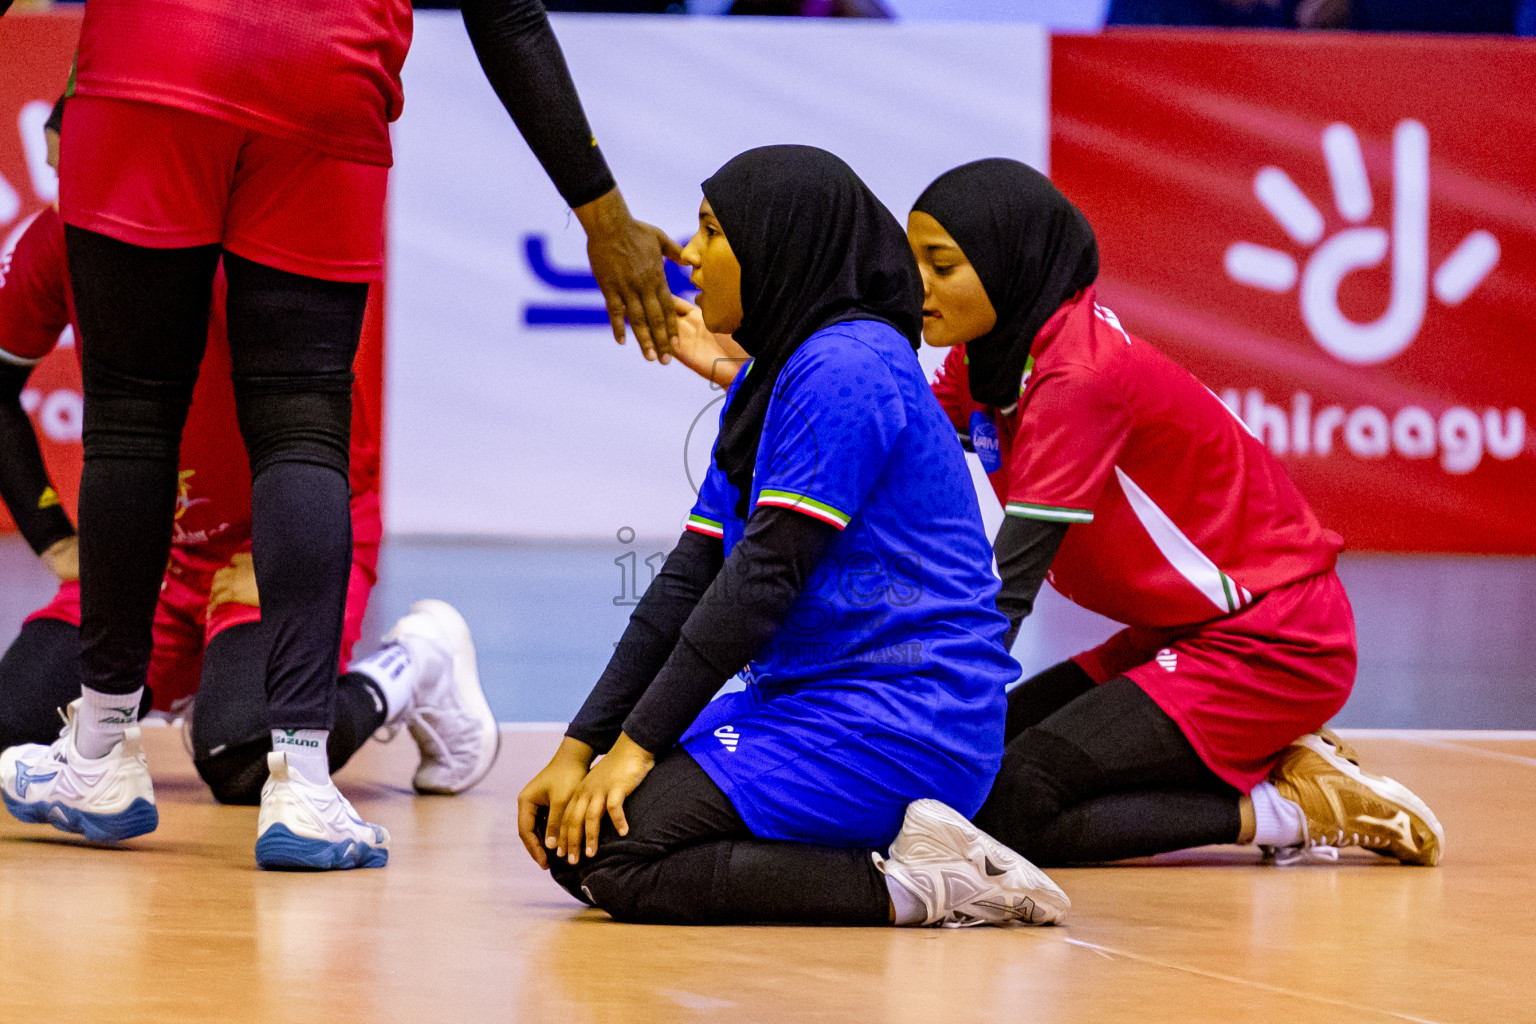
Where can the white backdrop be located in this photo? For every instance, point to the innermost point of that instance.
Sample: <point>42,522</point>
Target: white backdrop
<point>496,427</point>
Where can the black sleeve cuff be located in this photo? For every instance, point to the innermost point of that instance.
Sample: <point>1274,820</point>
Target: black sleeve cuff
<point>683,687</point>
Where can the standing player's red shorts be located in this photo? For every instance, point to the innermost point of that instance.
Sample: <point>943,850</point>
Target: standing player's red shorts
<point>1182,526</point>
<point>165,178</point>
<point>260,126</point>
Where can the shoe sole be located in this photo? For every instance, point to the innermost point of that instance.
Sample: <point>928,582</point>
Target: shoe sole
<point>1047,904</point>
<point>1388,789</point>
<point>140,818</point>
<point>278,849</point>
<point>466,680</point>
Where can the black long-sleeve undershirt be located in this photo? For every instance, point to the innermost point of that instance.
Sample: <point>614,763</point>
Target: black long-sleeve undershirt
<point>23,476</point>
<point>1024,549</point>
<point>522,60</point>
<point>702,620</point>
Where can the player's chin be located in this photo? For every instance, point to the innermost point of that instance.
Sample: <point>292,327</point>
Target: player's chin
<point>936,333</point>
<point>715,324</point>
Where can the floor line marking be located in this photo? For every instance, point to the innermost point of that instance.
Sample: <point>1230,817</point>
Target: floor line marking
<point>1500,735</point>
<point>1462,748</point>
<point>1232,979</point>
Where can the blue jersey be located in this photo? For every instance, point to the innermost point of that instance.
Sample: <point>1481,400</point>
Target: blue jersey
<point>891,664</point>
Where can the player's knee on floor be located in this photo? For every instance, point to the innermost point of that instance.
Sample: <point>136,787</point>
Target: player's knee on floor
<point>236,774</point>
<point>609,887</point>
<point>566,875</point>
<point>39,674</point>
<point>1033,786</point>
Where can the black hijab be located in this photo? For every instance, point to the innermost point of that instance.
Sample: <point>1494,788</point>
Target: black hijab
<point>816,248</point>
<point>1032,249</point>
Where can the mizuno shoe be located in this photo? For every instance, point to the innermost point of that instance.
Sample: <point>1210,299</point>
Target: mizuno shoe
<point>308,827</point>
<point>965,877</point>
<point>106,800</point>
<point>1347,806</point>
<point>448,715</point>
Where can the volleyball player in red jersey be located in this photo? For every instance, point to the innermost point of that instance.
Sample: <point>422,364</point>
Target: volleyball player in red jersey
<point>258,134</point>
<point>1140,496</point>
<point>208,638</point>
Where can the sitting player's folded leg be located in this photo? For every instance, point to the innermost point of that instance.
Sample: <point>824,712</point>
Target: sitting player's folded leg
<point>1052,798</point>
<point>231,734</point>
<point>39,674</point>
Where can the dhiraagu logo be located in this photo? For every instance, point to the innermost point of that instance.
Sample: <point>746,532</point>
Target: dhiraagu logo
<point>572,298</point>
<point>1359,247</point>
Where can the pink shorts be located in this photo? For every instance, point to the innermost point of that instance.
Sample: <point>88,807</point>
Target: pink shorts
<point>184,626</point>
<point>166,178</point>
<point>1244,687</point>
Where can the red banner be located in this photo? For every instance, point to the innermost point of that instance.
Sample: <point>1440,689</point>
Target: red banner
<point>35,55</point>
<point>1337,234</point>
<point>36,51</point>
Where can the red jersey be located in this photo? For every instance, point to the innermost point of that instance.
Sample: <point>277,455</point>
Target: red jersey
<point>213,505</point>
<point>325,73</point>
<point>1178,514</point>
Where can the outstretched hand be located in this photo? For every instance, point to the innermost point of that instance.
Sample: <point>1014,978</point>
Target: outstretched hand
<point>627,260</point>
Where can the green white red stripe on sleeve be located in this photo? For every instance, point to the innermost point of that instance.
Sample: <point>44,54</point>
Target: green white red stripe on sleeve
<point>708,527</point>
<point>1049,513</point>
<point>800,503</point>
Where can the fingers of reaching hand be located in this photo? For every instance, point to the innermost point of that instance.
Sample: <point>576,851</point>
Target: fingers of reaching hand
<point>662,321</point>
<point>615,314</point>
<point>669,248</point>
<point>634,308</point>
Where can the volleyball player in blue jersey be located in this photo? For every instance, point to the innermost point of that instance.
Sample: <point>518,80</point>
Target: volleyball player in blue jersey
<point>850,589</point>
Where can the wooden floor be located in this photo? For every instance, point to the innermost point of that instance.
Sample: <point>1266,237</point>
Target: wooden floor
<point>461,927</point>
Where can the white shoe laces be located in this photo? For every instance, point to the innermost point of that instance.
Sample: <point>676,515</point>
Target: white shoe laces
<point>1305,853</point>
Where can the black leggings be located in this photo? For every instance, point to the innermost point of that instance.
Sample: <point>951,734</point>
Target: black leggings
<point>143,316</point>
<point>689,859</point>
<point>1100,773</point>
<point>231,734</point>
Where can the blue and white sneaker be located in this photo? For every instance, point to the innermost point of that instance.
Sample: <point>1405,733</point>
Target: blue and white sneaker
<point>448,716</point>
<point>308,827</point>
<point>106,800</point>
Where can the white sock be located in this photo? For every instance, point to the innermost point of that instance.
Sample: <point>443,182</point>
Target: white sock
<point>910,909</point>
<point>306,750</point>
<point>102,719</point>
<point>1277,821</point>
<point>395,673</point>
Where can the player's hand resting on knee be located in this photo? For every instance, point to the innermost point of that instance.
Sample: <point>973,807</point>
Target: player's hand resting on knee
<point>551,788</point>
<point>715,357</point>
<point>604,790</point>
